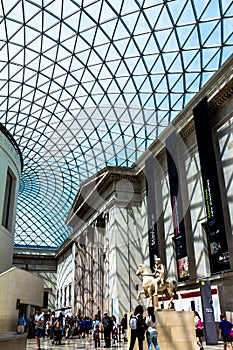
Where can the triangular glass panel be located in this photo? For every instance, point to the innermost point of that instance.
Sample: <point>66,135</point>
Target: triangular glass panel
<point>67,33</point>
<point>175,13</point>
<point>83,57</point>
<point>108,28</point>
<point>76,67</point>
<point>73,21</point>
<point>188,56</point>
<point>193,81</point>
<point>141,26</point>
<point>214,63</point>
<point>162,37</point>
<point>132,49</point>
<point>205,77</point>
<point>113,54</point>
<point>187,14</point>
<point>164,20</point>
<point>207,55</point>
<point>120,32</point>
<point>212,10</point>
<point>142,40</point>
<point>85,22</point>
<point>107,13</point>
<point>121,46</point>
<point>150,103</point>
<point>102,50</point>
<point>12,28</point>
<point>81,45</point>
<point>51,25</point>
<point>206,28</point>
<point>70,10</point>
<point>128,7</point>
<point>227,8</point>
<point>226,53</point>
<point>169,59</point>
<point>152,13</point>
<point>152,46</point>
<point>193,41</point>
<point>227,31</point>
<point>159,66</point>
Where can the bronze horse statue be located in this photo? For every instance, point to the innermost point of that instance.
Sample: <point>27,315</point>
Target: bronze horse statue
<point>151,286</point>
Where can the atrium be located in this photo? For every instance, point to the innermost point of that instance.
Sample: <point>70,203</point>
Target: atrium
<point>90,92</point>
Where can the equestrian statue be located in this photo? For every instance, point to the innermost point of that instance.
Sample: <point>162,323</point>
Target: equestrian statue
<point>156,282</point>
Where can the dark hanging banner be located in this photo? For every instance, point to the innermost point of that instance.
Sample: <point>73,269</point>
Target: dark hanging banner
<point>151,210</point>
<point>208,313</point>
<point>218,248</point>
<point>177,210</point>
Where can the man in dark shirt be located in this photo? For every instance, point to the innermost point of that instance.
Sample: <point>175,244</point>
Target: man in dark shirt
<point>224,331</point>
<point>108,325</point>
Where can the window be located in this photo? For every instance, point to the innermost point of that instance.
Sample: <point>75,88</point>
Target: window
<point>8,201</point>
<point>46,300</point>
<point>65,292</point>
<point>70,294</point>
<point>61,297</point>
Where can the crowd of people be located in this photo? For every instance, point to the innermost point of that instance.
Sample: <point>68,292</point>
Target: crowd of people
<point>56,327</point>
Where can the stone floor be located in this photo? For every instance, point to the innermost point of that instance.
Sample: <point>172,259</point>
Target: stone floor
<point>70,344</point>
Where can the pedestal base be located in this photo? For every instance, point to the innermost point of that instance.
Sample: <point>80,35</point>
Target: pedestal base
<point>13,341</point>
<point>176,330</point>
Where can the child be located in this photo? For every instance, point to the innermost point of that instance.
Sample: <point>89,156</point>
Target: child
<point>97,336</point>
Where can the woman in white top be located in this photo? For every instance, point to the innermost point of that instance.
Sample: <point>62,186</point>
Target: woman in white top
<point>152,333</point>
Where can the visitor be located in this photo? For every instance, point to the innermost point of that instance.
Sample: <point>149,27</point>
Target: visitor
<point>224,331</point>
<point>114,330</point>
<point>151,333</point>
<point>124,327</point>
<point>51,326</point>
<point>39,326</point>
<point>198,329</point>
<point>107,325</point>
<point>87,326</point>
<point>21,323</point>
<point>58,329</point>
<point>95,323</point>
<point>138,331</point>
<point>31,327</point>
<point>96,336</point>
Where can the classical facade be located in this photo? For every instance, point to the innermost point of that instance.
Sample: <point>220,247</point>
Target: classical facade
<point>110,216</point>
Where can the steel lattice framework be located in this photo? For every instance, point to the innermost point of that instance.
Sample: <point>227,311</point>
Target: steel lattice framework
<point>85,84</point>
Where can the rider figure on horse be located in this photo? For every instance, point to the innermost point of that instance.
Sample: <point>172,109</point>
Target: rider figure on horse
<point>159,272</point>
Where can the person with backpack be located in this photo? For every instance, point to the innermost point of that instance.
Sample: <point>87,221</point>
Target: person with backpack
<point>58,329</point>
<point>225,327</point>
<point>199,329</point>
<point>138,327</point>
<point>151,333</point>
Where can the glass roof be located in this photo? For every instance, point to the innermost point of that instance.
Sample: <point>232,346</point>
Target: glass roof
<point>90,83</point>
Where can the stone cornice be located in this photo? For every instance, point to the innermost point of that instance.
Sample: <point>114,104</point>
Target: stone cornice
<point>222,97</point>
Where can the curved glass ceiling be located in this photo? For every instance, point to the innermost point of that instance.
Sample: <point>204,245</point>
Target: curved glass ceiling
<point>85,84</point>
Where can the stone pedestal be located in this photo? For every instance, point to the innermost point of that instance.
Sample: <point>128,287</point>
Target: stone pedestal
<point>176,330</point>
<point>13,341</point>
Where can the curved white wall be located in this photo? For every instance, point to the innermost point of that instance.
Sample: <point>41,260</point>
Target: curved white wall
<point>9,162</point>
